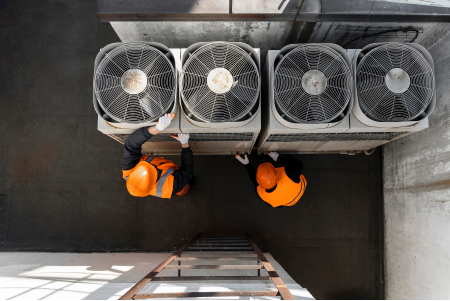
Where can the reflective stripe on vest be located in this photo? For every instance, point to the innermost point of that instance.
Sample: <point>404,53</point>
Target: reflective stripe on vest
<point>162,181</point>
<point>302,189</point>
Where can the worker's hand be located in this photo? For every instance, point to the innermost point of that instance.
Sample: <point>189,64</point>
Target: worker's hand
<point>243,161</point>
<point>183,138</point>
<point>164,121</point>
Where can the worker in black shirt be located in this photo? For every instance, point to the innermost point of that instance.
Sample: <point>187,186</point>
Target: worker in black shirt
<point>156,176</point>
<point>278,186</point>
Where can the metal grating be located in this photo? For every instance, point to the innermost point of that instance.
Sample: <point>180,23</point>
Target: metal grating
<point>213,107</point>
<point>312,84</point>
<point>394,83</point>
<point>164,137</point>
<point>221,136</point>
<point>335,136</point>
<point>146,67</point>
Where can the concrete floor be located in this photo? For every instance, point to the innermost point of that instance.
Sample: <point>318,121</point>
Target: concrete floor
<point>107,276</point>
<point>61,185</point>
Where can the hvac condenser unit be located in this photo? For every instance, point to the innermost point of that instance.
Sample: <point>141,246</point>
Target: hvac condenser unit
<point>394,94</point>
<point>220,97</point>
<point>135,84</point>
<point>309,98</point>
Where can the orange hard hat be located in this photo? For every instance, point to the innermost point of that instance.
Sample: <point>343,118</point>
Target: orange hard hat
<point>142,179</point>
<point>266,176</point>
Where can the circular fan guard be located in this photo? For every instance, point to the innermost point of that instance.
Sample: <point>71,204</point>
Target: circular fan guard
<point>237,100</point>
<point>312,84</point>
<point>155,98</point>
<point>394,83</point>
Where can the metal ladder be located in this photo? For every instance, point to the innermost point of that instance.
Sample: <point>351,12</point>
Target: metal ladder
<point>237,247</point>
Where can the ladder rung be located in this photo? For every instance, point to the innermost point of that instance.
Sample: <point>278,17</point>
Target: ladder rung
<point>229,244</point>
<point>221,237</point>
<point>214,267</point>
<point>223,240</point>
<point>196,254</point>
<point>206,294</point>
<point>219,248</point>
<point>205,278</point>
<point>215,258</point>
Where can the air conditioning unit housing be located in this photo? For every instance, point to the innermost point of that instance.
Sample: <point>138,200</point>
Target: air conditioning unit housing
<point>303,133</point>
<point>116,68</point>
<point>402,73</point>
<point>221,117</point>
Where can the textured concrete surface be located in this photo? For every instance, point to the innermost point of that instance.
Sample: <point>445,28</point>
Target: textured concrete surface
<point>263,35</point>
<point>97,276</point>
<point>61,186</point>
<point>417,195</point>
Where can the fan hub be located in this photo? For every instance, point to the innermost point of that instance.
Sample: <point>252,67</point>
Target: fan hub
<point>220,80</point>
<point>314,82</point>
<point>397,80</point>
<point>133,81</point>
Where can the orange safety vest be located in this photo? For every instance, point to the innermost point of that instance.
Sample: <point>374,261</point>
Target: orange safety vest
<point>164,183</point>
<point>287,192</point>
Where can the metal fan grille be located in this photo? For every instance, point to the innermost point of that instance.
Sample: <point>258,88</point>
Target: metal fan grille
<point>154,101</point>
<point>292,98</point>
<point>212,107</point>
<point>376,98</point>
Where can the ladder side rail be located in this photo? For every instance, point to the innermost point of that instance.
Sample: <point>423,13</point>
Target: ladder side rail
<point>138,286</point>
<point>285,293</point>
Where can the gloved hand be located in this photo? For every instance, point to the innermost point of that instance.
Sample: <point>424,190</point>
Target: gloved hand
<point>274,155</point>
<point>164,121</point>
<point>183,138</point>
<point>243,161</point>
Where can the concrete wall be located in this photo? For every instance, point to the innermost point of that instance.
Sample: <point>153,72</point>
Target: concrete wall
<point>264,35</point>
<point>417,195</point>
<point>107,276</point>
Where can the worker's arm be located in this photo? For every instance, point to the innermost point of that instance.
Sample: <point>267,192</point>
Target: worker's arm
<point>252,174</point>
<point>292,167</point>
<point>133,147</point>
<point>185,172</point>
<point>251,171</point>
<point>133,144</point>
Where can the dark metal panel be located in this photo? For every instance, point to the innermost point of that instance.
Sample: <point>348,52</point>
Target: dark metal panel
<point>267,10</point>
<point>355,10</point>
<point>164,6</point>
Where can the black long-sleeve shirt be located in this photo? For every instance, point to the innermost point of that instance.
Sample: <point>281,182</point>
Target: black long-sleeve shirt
<point>292,167</point>
<point>133,152</point>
